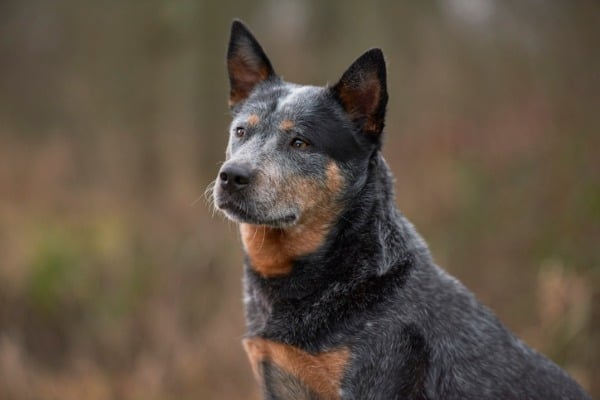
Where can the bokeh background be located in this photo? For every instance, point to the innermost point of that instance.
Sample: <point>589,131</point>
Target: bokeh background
<point>118,282</point>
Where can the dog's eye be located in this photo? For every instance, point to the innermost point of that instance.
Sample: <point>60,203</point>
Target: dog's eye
<point>298,143</point>
<point>240,131</point>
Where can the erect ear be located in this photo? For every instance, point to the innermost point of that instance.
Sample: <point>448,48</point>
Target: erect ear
<point>362,92</point>
<point>246,62</point>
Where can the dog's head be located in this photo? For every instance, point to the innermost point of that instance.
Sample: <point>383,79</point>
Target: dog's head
<point>295,151</point>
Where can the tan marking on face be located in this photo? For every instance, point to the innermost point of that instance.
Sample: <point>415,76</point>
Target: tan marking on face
<point>273,250</point>
<point>253,120</point>
<point>286,125</point>
<point>335,181</point>
<point>322,372</point>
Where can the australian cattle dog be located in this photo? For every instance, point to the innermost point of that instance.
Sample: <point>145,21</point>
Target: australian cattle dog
<point>343,300</point>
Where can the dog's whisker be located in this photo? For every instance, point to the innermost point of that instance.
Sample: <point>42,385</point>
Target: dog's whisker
<point>262,244</point>
<point>207,194</point>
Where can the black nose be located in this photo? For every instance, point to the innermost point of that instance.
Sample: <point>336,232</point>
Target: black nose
<point>235,177</point>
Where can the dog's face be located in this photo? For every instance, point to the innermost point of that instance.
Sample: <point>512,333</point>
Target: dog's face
<point>295,150</point>
<point>281,162</point>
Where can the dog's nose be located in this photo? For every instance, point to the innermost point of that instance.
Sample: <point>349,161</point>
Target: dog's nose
<point>233,177</point>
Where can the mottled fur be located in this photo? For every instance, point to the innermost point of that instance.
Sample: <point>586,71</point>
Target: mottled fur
<point>343,300</point>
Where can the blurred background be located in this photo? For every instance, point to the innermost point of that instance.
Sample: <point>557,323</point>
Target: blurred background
<point>118,282</point>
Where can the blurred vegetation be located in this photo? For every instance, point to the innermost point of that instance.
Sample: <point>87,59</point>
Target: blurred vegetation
<point>116,281</point>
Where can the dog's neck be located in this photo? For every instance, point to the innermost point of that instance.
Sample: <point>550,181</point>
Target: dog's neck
<point>271,252</point>
<point>367,237</point>
<point>368,248</point>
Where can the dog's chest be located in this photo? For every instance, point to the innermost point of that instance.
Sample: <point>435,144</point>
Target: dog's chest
<point>287,372</point>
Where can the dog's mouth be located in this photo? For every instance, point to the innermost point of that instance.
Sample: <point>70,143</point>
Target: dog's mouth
<point>244,214</point>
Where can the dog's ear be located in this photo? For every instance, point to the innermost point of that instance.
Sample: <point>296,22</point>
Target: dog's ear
<point>247,63</point>
<point>362,91</point>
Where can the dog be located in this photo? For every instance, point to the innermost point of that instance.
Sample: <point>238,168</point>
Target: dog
<point>342,297</point>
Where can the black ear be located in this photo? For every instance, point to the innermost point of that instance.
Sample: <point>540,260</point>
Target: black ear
<point>362,91</point>
<point>247,63</point>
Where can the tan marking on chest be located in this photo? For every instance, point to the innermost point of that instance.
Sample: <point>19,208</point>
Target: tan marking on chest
<point>322,372</point>
<point>273,250</point>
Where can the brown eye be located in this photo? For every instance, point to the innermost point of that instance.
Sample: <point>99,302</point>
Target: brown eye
<point>298,143</point>
<point>240,132</point>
